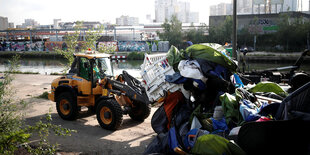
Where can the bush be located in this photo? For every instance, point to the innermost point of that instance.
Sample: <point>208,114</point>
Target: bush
<point>13,131</point>
<point>136,56</point>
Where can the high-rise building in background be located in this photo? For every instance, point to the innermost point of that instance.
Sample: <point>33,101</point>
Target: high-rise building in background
<point>56,23</point>
<point>290,5</point>
<point>11,25</point>
<point>30,23</point>
<point>257,7</point>
<point>148,18</point>
<point>213,10</point>
<point>165,9</point>
<point>193,17</point>
<point>4,24</point>
<point>275,6</point>
<point>127,21</point>
<point>244,6</point>
<point>182,11</point>
<point>221,9</point>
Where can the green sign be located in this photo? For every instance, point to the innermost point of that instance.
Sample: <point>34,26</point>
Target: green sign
<point>271,28</point>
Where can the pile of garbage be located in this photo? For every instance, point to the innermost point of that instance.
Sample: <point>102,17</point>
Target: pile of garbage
<point>206,109</point>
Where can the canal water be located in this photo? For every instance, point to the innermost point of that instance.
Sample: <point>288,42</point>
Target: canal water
<point>48,66</point>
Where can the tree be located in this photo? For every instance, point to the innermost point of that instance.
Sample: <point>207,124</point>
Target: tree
<point>196,35</point>
<point>172,31</point>
<point>227,29</point>
<point>221,33</point>
<point>283,33</point>
<point>74,45</point>
<point>245,38</point>
<point>292,32</point>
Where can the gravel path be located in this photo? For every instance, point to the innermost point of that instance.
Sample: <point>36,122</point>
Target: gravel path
<point>132,138</point>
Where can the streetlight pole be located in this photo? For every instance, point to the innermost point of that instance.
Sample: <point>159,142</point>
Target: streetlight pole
<point>234,39</point>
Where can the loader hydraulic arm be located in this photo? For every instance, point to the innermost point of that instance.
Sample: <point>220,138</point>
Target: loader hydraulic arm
<point>130,87</point>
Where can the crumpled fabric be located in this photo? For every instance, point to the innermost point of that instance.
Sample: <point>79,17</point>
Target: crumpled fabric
<point>248,110</point>
<point>174,56</point>
<point>158,145</point>
<point>209,68</point>
<point>177,78</point>
<point>231,110</point>
<point>263,119</point>
<point>191,69</point>
<point>237,81</point>
<point>242,93</point>
<point>219,125</point>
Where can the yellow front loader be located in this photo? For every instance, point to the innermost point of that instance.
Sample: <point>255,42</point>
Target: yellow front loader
<point>90,83</point>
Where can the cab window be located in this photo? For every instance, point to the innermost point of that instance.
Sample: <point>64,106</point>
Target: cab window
<point>84,68</point>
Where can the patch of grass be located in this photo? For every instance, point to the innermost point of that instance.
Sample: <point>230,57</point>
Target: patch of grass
<point>43,96</point>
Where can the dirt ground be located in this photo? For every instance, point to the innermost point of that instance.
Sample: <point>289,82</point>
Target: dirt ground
<point>132,137</point>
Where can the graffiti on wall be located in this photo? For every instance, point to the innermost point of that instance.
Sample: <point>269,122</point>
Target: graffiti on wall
<point>51,45</point>
<point>130,46</point>
<point>133,46</point>
<point>36,46</point>
<point>22,46</point>
<point>108,44</point>
<point>262,26</point>
<point>18,46</point>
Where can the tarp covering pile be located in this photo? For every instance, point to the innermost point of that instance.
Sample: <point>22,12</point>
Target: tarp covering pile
<point>216,107</point>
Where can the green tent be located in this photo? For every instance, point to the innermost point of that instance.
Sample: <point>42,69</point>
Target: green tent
<point>268,87</point>
<point>211,53</point>
<point>211,144</point>
<point>174,56</point>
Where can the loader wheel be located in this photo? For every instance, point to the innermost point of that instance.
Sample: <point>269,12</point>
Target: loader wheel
<point>140,111</point>
<point>66,106</point>
<point>109,114</point>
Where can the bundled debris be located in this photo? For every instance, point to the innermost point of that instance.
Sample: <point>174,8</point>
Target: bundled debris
<point>207,110</point>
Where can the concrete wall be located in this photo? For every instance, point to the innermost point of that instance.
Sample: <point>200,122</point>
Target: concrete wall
<point>129,46</point>
<point>258,23</point>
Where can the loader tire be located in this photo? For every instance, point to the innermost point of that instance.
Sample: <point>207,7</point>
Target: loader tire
<point>140,111</point>
<point>66,106</point>
<point>109,114</point>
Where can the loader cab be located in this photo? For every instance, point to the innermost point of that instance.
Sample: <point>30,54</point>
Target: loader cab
<point>91,66</point>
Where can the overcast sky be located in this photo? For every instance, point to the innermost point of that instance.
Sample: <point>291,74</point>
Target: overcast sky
<point>44,11</point>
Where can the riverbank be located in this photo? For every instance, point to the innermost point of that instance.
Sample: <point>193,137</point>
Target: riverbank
<point>44,54</point>
<point>30,54</point>
<point>265,57</point>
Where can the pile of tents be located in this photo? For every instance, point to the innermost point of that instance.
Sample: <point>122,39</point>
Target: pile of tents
<point>215,113</point>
